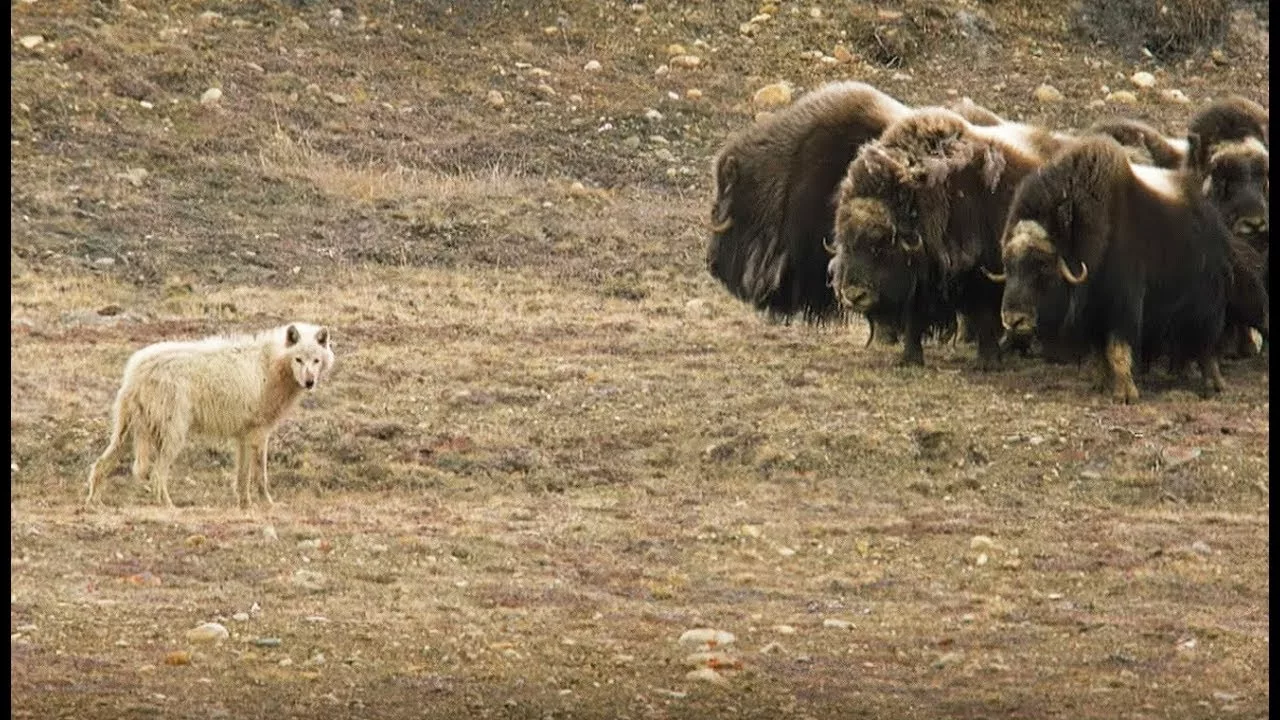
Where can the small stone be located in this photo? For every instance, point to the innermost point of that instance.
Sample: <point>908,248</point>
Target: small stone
<point>685,62</point>
<point>772,96</point>
<point>706,636</point>
<point>211,96</point>
<point>1174,96</point>
<point>178,657</point>
<point>707,674</point>
<point>495,99</point>
<point>269,532</point>
<point>545,90</point>
<point>693,94</point>
<point>1123,97</point>
<point>837,624</point>
<point>786,551</point>
<point>631,141</point>
<point>309,580</point>
<point>30,41</point>
<point>652,115</point>
<point>267,642</point>
<point>1201,547</point>
<point>592,66</point>
<point>1218,56</point>
<point>208,632</point>
<point>815,13</point>
<point>1226,697</point>
<point>982,559</point>
<point>1090,475</point>
<point>761,18</point>
<point>842,54</point>
<point>577,189</point>
<point>146,104</point>
<point>981,542</point>
<point>784,629</point>
<point>662,70</point>
<point>1047,94</point>
<point>947,659</point>
<point>664,155</point>
<point>1143,80</point>
<point>298,23</point>
<point>337,98</point>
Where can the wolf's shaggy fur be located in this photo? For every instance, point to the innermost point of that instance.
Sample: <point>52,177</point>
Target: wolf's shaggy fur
<point>237,387</point>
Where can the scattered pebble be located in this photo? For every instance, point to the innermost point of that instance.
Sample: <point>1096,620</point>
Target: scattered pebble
<point>706,636</point>
<point>1143,79</point>
<point>685,62</point>
<point>208,632</point>
<point>211,96</point>
<point>706,674</point>
<point>981,542</point>
<point>1123,97</point>
<point>178,657</point>
<point>495,99</point>
<point>337,98</point>
<point>652,115</point>
<point>30,41</point>
<point>267,642</point>
<point>1047,94</point>
<point>269,532</point>
<point>592,66</point>
<point>837,624</point>
<point>693,94</point>
<point>772,96</point>
<point>784,629</point>
<point>1201,547</point>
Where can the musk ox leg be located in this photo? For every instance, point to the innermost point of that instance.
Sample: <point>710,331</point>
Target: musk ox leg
<point>987,329</point>
<point>1120,360</point>
<point>1210,375</point>
<point>912,345</point>
<point>1102,372</point>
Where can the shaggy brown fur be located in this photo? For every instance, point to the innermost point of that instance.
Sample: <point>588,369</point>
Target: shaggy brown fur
<point>1146,144</point>
<point>1130,260</point>
<point>919,215</point>
<point>966,108</point>
<point>772,207</point>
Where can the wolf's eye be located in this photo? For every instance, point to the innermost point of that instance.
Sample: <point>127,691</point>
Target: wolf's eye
<point>298,360</point>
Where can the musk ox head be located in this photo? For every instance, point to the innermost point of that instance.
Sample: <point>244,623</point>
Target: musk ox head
<point>1228,150</point>
<point>1235,180</point>
<point>1035,272</point>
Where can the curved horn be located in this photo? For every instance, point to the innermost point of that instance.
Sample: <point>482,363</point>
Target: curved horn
<point>912,247</point>
<point>1066,271</point>
<point>998,278</point>
<point>722,226</point>
<point>829,246</point>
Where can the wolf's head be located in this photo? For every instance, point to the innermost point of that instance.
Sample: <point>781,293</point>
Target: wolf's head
<point>309,353</point>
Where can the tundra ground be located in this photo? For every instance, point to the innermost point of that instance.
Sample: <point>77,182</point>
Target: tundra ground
<point>552,443</point>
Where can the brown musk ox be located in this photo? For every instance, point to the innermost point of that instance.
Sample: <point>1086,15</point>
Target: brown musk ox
<point>1229,153</point>
<point>773,203</point>
<point>772,206</point>
<point>1132,261</point>
<point>919,215</point>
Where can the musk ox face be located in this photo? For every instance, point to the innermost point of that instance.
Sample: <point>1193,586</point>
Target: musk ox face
<point>1236,183</point>
<point>877,241</point>
<point>1035,273</point>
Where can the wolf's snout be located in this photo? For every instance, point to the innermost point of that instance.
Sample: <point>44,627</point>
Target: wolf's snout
<point>310,384</point>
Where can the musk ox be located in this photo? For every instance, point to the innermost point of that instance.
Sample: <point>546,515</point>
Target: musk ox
<point>966,108</point>
<point>1228,150</point>
<point>1228,142</point>
<point>1145,144</point>
<point>919,215</point>
<point>1136,255</point>
<point>238,388</point>
<point>772,205</point>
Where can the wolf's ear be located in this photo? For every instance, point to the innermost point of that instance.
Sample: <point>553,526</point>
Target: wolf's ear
<point>322,337</point>
<point>291,336</point>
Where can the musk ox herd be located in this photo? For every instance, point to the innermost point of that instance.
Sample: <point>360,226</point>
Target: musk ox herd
<point>1118,244</point>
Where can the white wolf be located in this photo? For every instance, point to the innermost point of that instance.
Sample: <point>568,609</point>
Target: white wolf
<point>222,387</point>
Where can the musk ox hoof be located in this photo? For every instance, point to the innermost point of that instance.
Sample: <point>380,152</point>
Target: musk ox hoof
<point>911,358</point>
